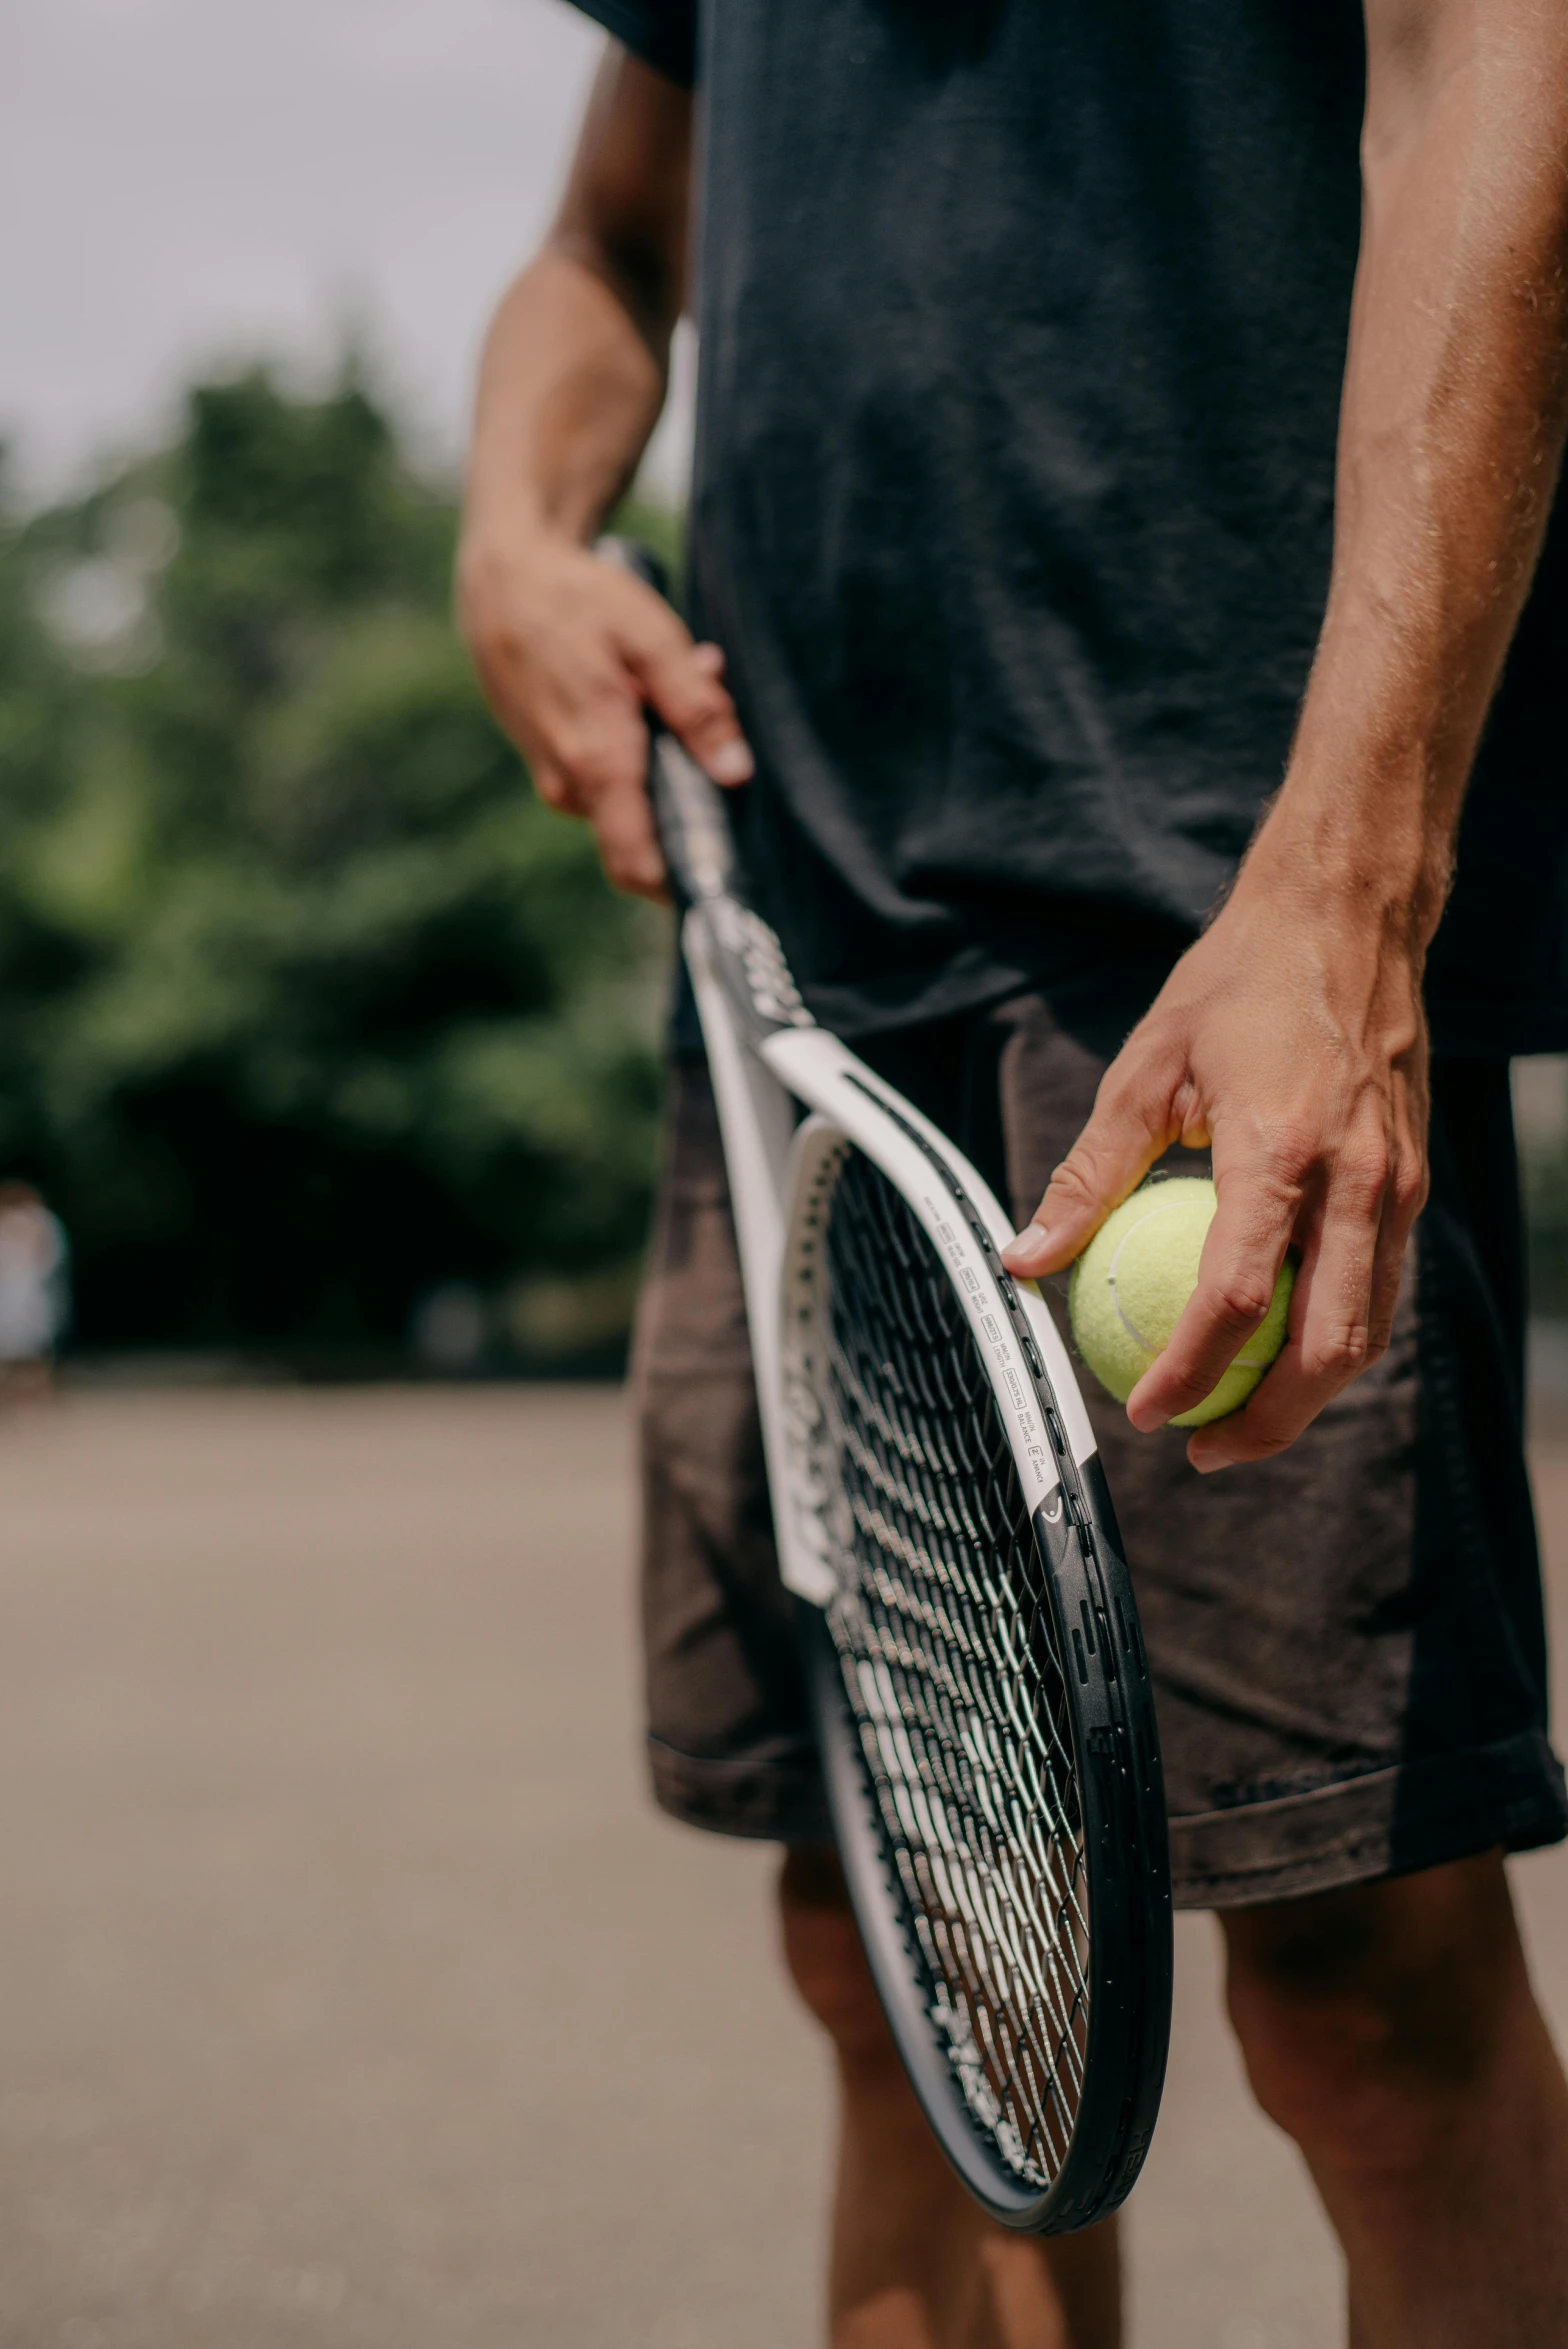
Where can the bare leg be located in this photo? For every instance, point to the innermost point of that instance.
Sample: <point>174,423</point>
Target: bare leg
<point>915,2264</point>
<point>1392,2030</point>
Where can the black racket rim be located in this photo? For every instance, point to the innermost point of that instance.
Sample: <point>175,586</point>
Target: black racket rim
<point>1127,1970</point>
<point>1130,1965</point>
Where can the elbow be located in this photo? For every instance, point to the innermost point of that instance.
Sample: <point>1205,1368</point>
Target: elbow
<point>1415,51</point>
<point>636,267</point>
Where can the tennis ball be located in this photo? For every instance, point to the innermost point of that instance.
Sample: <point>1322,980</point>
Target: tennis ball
<point>1130,1284</point>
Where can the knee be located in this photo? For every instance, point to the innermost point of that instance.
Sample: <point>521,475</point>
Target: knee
<point>827,1964</point>
<point>1369,2018</point>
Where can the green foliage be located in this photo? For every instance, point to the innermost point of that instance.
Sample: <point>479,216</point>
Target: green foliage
<point>306,1004</point>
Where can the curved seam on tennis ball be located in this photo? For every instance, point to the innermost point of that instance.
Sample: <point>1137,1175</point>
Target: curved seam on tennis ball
<point>1239,1361</point>
<point>1131,1328</point>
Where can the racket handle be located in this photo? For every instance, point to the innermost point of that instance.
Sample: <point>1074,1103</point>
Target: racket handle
<point>692,823</point>
<point>639,560</point>
<point>688,810</point>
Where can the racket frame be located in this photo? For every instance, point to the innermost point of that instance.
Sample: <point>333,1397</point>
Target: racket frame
<point>767,1059</point>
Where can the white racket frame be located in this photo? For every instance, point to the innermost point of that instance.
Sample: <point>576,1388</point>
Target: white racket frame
<point>778,1170</point>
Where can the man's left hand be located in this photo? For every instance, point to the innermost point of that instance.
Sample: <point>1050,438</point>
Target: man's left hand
<point>1290,1040</point>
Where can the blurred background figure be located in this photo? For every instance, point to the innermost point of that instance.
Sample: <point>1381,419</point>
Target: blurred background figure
<point>34,1292</point>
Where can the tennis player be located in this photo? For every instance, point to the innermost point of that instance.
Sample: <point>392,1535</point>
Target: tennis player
<point>1128,436</point>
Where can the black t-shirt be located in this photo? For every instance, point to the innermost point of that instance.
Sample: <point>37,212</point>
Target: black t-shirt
<point>1022,328</point>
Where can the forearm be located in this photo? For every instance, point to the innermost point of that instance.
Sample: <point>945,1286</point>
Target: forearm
<point>574,368</point>
<point>570,388</point>
<point>1290,1039</point>
<point>572,651</point>
<point>1455,405</point>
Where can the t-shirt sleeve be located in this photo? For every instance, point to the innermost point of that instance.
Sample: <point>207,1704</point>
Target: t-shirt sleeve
<point>663,33</point>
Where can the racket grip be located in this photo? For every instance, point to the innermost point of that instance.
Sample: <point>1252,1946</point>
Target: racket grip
<point>688,810</point>
<point>639,560</point>
<point>692,823</point>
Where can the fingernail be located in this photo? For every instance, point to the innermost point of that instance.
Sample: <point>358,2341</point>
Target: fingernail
<point>732,762</point>
<point>1027,1249</point>
<point>1145,1420</point>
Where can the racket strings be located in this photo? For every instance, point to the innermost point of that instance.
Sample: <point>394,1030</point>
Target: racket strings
<point>953,1673</point>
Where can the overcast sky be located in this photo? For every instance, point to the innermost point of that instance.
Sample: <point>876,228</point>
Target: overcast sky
<point>191,182</point>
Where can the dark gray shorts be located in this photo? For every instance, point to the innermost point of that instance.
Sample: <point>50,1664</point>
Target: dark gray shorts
<point>1347,1642</point>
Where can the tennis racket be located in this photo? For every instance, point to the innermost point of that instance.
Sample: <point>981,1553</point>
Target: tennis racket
<point>981,1695</point>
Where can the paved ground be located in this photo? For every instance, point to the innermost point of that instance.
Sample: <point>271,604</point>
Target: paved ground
<point>353,1993</point>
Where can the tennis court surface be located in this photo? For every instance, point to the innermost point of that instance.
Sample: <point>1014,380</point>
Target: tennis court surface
<point>354,1993</point>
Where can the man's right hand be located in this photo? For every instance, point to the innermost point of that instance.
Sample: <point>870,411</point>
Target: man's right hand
<point>572,650</point>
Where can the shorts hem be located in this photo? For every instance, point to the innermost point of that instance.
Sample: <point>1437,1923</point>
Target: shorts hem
<point>1386,1823</point>
<point>772,1799</point>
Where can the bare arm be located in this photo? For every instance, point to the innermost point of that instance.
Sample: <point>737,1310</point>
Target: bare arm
<point>1291,1037</point>
<point>569,649</point>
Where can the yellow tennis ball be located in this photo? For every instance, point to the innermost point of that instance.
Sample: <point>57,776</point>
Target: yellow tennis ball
<point>1132,1281</point>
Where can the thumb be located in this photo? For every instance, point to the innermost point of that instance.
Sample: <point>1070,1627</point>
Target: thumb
<point>1131,1124</point>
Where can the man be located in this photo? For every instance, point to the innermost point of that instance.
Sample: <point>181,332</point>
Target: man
<point>1107,412</point>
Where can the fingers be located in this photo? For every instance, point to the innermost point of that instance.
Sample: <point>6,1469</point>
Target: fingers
<point>1292,1042</point>
<point>1133,1121</point>
<point>603,773</point>
<point>571,651</point>
<point>552,786</point>
<point>597,769</point>
<point>628,844</point>
<point>1342,1308</point>
<point>1242,1254</point>
<point>1328,1345</point>
<point>1388,1266</point>
<point>607,783</point>
<point>684,683</point>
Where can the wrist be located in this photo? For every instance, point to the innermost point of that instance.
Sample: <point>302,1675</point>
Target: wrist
<point>1383,868</point>
<point>505,545</point>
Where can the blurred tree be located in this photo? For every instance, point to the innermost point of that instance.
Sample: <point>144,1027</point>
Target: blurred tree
<point>306,1004</point>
